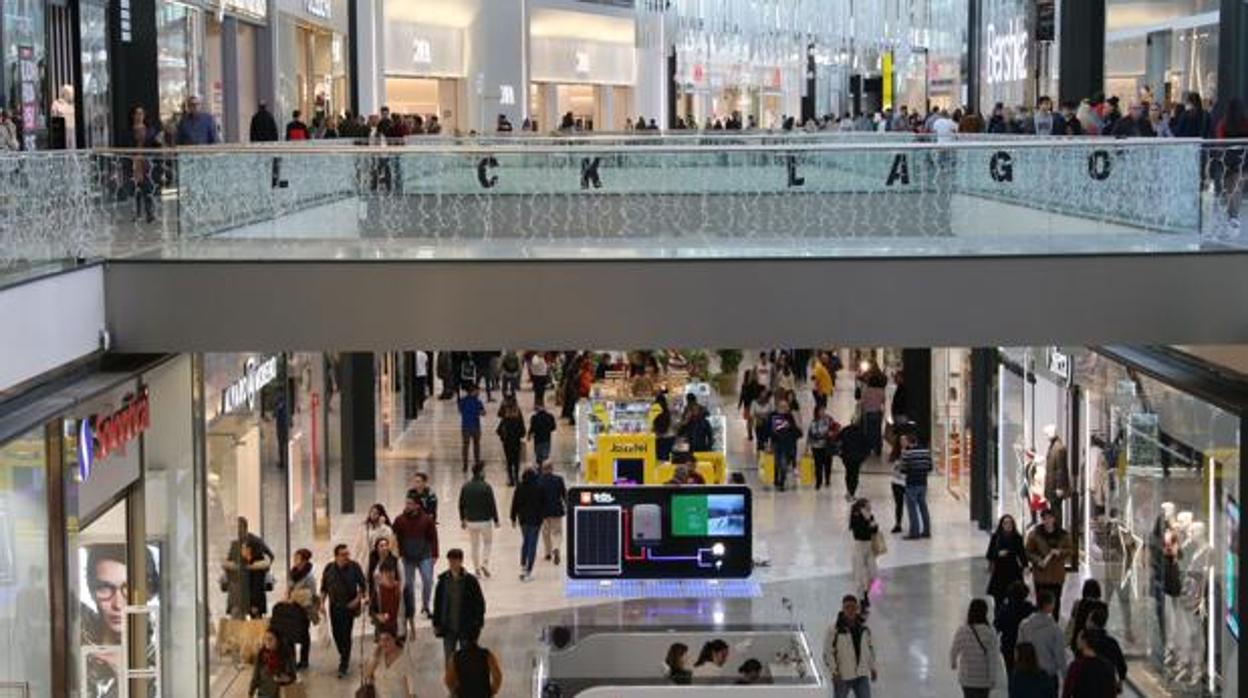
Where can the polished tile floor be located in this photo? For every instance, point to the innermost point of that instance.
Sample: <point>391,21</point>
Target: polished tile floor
<point>921,597</point>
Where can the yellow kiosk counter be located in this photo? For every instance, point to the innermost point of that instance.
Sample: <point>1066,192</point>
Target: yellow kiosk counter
<point>632,458</point>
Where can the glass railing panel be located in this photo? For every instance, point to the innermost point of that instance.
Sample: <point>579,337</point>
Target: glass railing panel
<point>611,197</point>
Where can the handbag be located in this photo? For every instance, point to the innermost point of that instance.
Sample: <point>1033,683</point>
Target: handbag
<point>879,545</point>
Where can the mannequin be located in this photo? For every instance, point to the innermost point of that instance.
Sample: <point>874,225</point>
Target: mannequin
<point>1057,472</point>
<point>1177,548</point>
<point>1114,553</point>
<point>1197,555</point>
<point>1158,564</point>
<point>63,106</point>
<point>1098,476</point>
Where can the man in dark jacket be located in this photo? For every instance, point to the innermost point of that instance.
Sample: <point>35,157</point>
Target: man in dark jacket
<point>1194,122</point>
<point>854,450</point>
<point>478,514</point>
<point>263,125</point>
<point>541,426</point>
<point>343,588</point>
<point>458,604</point>
<point>554,492</point>
<point>417,535</point>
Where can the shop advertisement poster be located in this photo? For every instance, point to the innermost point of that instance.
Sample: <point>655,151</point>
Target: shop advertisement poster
<point>28,79</point>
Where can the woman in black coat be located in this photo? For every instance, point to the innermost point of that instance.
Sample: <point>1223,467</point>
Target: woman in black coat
<point>1006,558</point>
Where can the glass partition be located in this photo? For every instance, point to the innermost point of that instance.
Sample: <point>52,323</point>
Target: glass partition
<point>25,616</point>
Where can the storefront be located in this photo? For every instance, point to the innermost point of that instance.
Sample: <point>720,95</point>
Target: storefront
<point>23,40</point>
<point>951,419</point>
<point>1161,51</point>
<point>98,503</point>
<point>583,65</point>
<point>713,86</point>
<point>1153,440</point>
<point>425,70</point>
<point>312,58</point>
<point>1016,54</point>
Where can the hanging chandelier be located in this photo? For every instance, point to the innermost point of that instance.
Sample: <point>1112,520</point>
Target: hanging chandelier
<point>735,39</point>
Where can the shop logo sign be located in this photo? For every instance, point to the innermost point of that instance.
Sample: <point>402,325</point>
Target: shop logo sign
<point>506,94</point>
<point>422,51</point>
<point>1059,363</point>
<point>319,8</point>
<point>582,62</point>
<point>1006,52</point>
<point>241,394</point>
<point>100,437</point>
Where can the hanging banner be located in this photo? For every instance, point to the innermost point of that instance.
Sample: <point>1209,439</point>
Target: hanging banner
<point>886,69</point>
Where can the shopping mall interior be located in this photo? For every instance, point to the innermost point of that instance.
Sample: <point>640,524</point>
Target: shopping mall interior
<point>375,348</point>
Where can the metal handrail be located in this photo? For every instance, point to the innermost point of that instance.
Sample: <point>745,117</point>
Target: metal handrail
<point>22,686</point>
<point>520,149</point>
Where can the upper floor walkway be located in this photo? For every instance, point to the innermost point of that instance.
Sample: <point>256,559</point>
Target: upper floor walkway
<point>670,240</point>
<point>698,196</point>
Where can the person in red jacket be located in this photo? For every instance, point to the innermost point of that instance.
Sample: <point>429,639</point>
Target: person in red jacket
<point>296,130</point>
<point>417,535</point>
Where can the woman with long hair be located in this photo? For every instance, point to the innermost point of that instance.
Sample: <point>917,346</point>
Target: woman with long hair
<point>273,668</point>
<point>863,528</point>
<point>712,659</point>
<point>374,527</point>
<point>1007,559</point>
<point>1028,680</point>
<point>974,652</point>
<point>677,664</point>
<point>385,590</point>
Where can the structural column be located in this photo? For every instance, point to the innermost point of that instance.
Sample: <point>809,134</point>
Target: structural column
<point>1082,49</point>
<point>132,63</point>
<point>229,80</point>
<point>974,52</point>
<point>916,364</point>
<point>368,52</point>
<point>358,410</point>
<point>1233,51</point>
<point>983,367</point>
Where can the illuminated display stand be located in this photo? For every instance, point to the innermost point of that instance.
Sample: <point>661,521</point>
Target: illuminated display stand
<point>615,432</point>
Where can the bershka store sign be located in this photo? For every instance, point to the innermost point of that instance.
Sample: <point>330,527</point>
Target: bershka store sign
<point>101,436</point>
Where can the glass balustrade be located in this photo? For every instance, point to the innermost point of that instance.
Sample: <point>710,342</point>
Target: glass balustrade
<point>648,196</point>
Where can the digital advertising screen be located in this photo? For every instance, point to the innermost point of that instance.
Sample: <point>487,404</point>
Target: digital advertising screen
<point>668,532</point>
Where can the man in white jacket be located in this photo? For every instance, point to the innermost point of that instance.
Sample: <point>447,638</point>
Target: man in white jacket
<point>849,653</point>
<point>1042,631</point>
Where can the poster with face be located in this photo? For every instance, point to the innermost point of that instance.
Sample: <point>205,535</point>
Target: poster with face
<point>103,597</point>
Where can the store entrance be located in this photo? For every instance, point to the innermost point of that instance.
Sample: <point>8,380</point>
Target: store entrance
<point>320,73</point>
<point>426,97</point>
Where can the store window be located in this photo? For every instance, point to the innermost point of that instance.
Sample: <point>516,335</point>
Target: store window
<point>96,92</point>
<point>25,617</point>
<point>951,439</point>
<point>179,46</point>
<point>171,511</point>
<point>1015,454</point>
<point>25,67</point>
<point>1163,477</point>
<point>246,485</point>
